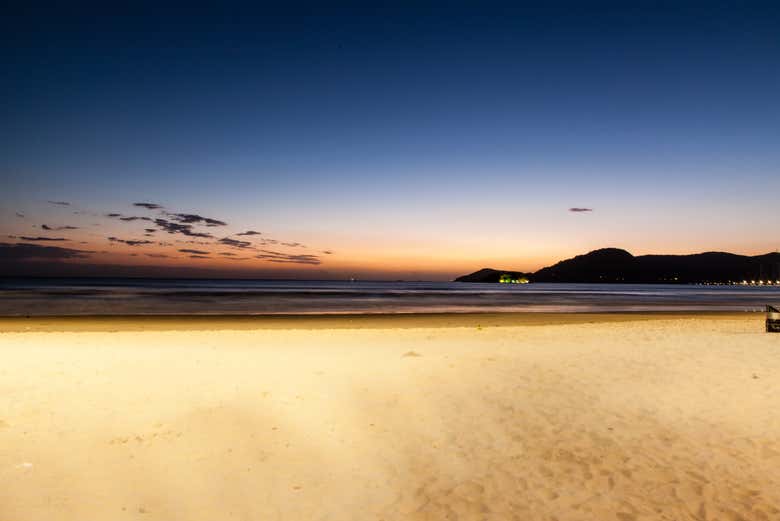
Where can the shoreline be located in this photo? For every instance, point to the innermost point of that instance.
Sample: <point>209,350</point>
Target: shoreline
<point>111,323</point>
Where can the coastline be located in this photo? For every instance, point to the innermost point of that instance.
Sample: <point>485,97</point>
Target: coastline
<point>87,323</point>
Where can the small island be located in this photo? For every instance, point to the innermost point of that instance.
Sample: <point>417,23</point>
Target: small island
<point>495,276</point>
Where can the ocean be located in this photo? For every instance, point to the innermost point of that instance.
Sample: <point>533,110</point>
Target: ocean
<point>116,296</point>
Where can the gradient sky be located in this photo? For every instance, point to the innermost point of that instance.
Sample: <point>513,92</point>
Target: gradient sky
<point>418,142</point>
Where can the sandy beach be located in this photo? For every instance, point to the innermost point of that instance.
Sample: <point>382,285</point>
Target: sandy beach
<point>480,417</point>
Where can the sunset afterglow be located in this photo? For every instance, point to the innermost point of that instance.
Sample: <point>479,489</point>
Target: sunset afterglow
<point>369,152</point>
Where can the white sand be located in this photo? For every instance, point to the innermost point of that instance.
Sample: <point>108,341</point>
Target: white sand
<point>673,419</point>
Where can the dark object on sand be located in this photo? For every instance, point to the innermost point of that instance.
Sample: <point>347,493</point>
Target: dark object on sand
<point>772,319</point>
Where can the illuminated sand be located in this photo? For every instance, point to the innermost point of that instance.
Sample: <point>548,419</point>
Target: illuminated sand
<point>676,418</point>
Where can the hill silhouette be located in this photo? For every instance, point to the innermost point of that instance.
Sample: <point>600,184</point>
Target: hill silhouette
<point>614,265</point>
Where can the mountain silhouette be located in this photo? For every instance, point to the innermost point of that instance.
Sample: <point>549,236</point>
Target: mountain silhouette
<point>614,265</point>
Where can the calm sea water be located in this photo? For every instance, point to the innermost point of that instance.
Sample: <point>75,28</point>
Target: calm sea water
<point>19,297</point>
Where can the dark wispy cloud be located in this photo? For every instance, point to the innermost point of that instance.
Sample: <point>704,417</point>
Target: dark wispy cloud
<point>130,242</point>
<point>20,215</point>
<point>191,218</point>
<point>157,255</point>
<point>24,238</point>
<point>202,243</point>
<point>59,203</point>
<point>190,226</point>
<point>32,252</point>
<point>184,229</point>
<point>128,218</point>
<point>580,210</point>
<point>235,243</point>
<point>276,256</point>
<point>175,223</point>
<point>58,228</point>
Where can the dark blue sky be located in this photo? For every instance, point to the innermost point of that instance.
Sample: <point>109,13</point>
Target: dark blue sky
<point>441,136</point>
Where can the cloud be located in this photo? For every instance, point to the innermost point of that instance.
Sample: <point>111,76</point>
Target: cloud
<point>51,228</point>
<point>191,218</point>
<point>275,256</point>
<point>327,252</point>
<point>184,229</point>
<point>20,215</point>
<point>186,224</point>
<point>176,223</point>
<point>59,203</point>
<point>232,256</point>
<point>198,257</point>
<point>157,255</point>
<point>130,242</point>
<point>128,218</point>
<point>580,210</point>
<point>203,243</point>
<point>32,252</point>
<point>41,238</point>
<point>234,243</point>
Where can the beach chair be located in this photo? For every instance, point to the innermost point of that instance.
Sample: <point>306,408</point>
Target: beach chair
<point>772,319</point>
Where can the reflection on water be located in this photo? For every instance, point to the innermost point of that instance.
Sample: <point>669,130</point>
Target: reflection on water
<point>184,296</point>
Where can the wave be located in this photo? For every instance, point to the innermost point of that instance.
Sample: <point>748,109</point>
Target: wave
<point>39,297</point>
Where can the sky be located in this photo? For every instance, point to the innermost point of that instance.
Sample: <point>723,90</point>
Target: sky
<point>408,141</point>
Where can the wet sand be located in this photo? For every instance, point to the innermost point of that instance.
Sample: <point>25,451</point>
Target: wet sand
<point>337,321</point>
<point>568,417</point>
